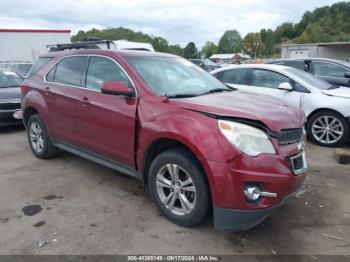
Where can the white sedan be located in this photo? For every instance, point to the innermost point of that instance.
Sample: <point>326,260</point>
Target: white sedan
<point>327,107</point>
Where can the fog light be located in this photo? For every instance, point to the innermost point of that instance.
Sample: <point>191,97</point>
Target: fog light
<point>17,114</point>
<point>252,193</point>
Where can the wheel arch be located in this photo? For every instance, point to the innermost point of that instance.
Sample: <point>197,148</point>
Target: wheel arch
<point>28,112</point>
<point>163,144</point>
<point>323,109</point>
<point>160,145</point>
<point>34,102</point>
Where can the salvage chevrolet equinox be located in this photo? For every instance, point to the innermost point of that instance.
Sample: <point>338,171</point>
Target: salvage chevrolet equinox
<point>199,145</point>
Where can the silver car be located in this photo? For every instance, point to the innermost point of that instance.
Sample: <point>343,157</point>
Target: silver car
<point>327,107</point>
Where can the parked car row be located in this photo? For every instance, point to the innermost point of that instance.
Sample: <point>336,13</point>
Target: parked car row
<point>20,68</point>
<point>10,99</point>
<point>335,72</point>
<point>205,64</point>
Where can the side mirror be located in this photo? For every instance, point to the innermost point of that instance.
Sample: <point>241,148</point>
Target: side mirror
<point>117,88</point>
<point>285,86</point>
<point>347,74</point>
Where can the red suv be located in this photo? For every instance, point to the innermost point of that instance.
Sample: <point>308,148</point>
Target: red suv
<point>199,145</point>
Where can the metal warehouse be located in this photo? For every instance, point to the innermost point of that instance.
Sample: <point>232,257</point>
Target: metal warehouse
<point>28,44</point>
<point>334,50</point>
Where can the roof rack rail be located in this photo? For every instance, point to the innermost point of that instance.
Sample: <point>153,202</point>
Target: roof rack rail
<point>81,45</point>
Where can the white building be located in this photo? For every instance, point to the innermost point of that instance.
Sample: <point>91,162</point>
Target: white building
<point>235,58</point>
<point>28,44</point>
<point>334,50</point>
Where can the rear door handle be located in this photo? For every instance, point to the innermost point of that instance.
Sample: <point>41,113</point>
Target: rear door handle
<point>47,90</point>
<point>84,101</point>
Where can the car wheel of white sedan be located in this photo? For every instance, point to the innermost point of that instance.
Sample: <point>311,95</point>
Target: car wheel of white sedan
<point>328,128</point>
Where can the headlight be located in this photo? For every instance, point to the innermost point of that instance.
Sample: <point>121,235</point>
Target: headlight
<point>249,140</point>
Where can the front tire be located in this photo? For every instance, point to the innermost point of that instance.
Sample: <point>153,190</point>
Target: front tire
<point>328,128</point>
<point>39,140</point>
<point>179,187</point>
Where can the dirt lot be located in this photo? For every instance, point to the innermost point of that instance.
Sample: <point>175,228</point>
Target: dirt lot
<point>89,209</point>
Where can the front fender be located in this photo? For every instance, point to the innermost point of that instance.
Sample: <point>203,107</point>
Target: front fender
<point>321,101</point>
<point>196,131</point>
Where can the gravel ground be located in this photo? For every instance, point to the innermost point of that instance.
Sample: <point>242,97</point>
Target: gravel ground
<point>68,205</point>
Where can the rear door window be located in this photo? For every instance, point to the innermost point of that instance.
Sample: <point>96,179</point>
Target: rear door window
<point>101,70</point>
<point>266,78</point>
<point>328,69</point>
<point>296,64</point>
<point>233,76</point>
<point>51,75</point>
<point>71,71</point>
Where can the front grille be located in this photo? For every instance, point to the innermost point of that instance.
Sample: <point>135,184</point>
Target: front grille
<point>289,136</point>
<point>297,163</point>
<point>10,106</point>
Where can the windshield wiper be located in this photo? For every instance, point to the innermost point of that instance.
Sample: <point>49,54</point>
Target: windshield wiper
<point>217,90</point>
<point>183,95</point>
<point>332,87</point>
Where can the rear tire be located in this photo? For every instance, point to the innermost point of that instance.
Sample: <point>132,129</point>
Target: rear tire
<point>179,187</point>
<point>39,140</point>
<point>328,128</point>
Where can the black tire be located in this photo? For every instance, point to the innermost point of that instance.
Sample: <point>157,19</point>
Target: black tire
<point>48,150</point>
<point>188,163</point>
<point>340,118</point>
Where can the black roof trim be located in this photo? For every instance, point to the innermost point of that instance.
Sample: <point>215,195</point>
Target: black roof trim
<point>80,45</point>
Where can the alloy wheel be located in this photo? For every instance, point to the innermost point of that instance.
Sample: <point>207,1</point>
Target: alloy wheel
<point>176,189</point>
<point>327,129</point>
<point>36,137</point>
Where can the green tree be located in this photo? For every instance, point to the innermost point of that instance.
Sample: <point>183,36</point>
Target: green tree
<point>332,23</point>
<point>209,49</point>
<point>190,50</point>
<point>284,32</point>
<point>114,34</point>
<point>305,20</point>
<point>176,50</point>
<point>160,44</point>
<point>230,42</point>
<point>313,33</point>
<point>253,45</point>
<point>268,40</point>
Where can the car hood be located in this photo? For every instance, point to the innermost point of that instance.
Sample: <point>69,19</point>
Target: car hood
<point>274,113</point>
<point>10,94</point>
<point>343,92</point>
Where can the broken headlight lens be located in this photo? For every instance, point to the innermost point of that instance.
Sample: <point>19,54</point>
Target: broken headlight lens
<point>248,139</point>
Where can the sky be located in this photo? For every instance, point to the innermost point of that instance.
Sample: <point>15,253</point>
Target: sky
<point>178,21</point>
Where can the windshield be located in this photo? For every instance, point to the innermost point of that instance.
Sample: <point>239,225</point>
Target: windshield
<point>23,69</point>
<point>310,79</point>
<point>9,79</point>
<point>168,76</point>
